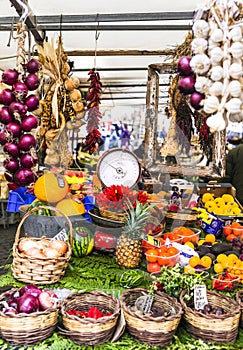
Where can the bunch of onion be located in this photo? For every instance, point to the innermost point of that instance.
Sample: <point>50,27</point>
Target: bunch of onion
<point>43,248</point>
<point>16,115</point>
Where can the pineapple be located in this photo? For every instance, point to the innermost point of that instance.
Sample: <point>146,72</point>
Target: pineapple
<point>129,245</point>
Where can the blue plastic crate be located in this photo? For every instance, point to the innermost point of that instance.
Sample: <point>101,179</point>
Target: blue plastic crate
<point>17,198</point>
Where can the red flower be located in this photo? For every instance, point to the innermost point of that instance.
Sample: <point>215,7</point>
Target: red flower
<point>118,197</point>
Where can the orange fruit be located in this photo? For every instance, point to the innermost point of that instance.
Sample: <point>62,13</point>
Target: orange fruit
<point>151,255</point>
<point>51,188</point>
<point>172,251</point>
<point>227,230</point>
<point>235,224</point>
<point>210,238</point>
<point>194,261</point>
<point>70,207</point>
<point>230,237</point>
<point>206,261</point>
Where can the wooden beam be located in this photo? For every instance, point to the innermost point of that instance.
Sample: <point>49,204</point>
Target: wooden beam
<point>120,52</point>
<point>30,22</point>
<point>151,118</point>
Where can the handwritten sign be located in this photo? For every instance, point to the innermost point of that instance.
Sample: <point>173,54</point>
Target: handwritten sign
<point>200,296</point>
<point>144,303</point>
<point>61,236</point>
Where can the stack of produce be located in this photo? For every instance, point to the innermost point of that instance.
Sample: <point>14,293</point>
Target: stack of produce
<point>18,103</point>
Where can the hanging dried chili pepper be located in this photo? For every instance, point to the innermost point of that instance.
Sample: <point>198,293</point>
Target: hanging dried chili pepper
<point>93,138</point>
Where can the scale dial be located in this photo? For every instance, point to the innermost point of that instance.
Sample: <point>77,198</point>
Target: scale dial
<point>118,167</point>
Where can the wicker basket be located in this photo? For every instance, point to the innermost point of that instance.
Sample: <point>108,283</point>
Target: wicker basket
<point>211,328</point>
<point>43,225</point>
<point>27,329</point>
<point>184,218</point>
<point>239,299</point>
<point>38,270</point>
<point>155,331</point>
<point>89,331</point>
<point>114,215</point>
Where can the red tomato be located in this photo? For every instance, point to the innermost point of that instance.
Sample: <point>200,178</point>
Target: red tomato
<point>153,267</point>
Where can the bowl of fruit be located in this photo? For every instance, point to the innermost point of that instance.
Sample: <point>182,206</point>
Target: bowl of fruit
<point>161,256</point>
<point>225,281</point>
<point>187,234</point>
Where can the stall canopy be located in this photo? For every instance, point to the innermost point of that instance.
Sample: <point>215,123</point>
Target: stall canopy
<point>120,38</point>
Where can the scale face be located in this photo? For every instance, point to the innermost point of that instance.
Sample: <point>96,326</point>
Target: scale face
<point>118,167</point>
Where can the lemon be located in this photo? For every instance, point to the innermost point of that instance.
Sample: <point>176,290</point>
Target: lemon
<point>194,261</point>
<point>218,268</point>
<point>206,261</point>
<point>210,238</point>
<point>189,244</point>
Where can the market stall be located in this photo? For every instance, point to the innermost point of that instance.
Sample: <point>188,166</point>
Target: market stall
<point>110,252</point>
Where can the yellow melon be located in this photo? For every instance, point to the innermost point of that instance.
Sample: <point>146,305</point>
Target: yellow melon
<point>51,188</point>
<point>70,207</point>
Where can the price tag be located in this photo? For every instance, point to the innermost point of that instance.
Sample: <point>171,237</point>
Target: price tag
<point>60,181</point>
<point>144,303</point>
<point>200,296</point>
<point>61,236</point>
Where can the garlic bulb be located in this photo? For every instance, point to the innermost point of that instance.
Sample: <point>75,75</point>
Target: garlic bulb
<point>211,45</point>
<point>217,73</point>
<point>200,28</point>
<point>216,122</point>
<point>235,70</point>
<point>236,118</point>
<point>200,63</point>
<point>233,105</point>
<point>212,25</point>
<point>202,84</point>
<point>217,35</point>
<point>234,88</point>
<point>216,89</point>
<point>211,104</point>
<point>236,49</point>
<point>216,55</point>
<point>199,45</point>
<point>235,33</point>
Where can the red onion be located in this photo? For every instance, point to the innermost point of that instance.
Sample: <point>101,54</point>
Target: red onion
<point>32,102</point>
<point>12,149</point>
<point>11,164</point>
<point>47,299</point>
<point>17,107</point>
<point>32,81</point>
<point>26,142</point>
<point>30,289</point>
<point>6,97</point>
<point>8,176</point>
<point>27,303</point>
<point>5,116</point>
<point>20,90</point>
<point>10,76</point>
<point>183,66</point>
<point>28,161</point>
<point>14,128</point>
<point>24,177</point>
<point>195,100</point>
<point>29,122</point>
<point>186,85</point>
<point>10,311</point>
<point>33,66</point>
<point>3,137</point>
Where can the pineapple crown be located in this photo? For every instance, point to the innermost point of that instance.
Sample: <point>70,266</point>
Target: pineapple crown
<point>137,217</point>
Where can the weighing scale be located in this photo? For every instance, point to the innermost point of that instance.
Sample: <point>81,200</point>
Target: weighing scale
<point>118,167</point>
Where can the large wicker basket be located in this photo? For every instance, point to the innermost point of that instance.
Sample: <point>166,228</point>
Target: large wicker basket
<point>155,331</point>
<point>39,270</point>
<point>114,215</point>
<point>211,328</point>
<point>27,329</point>
<point>183,218</point>
<point>239,299</point>
<point>89,331</point>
